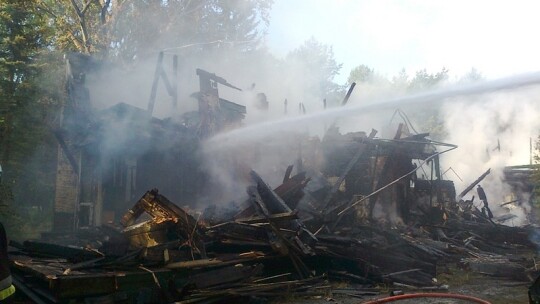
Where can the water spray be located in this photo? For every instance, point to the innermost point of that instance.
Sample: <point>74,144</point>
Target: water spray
<point>261,130</point>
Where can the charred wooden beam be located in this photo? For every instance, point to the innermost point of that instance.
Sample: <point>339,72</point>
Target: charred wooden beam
<point>162,210</point>
<point>349,92</point>
<point>155,83</point>
<point>471,186</point>
<point>278,218</point>
<point>159,208</point>
<point>291,192</point>
<point>272,201</point>
<point>279,241</point>
<point>288,172</point>
<point>275,204</point>
<point>341,178</point>
<point>73,253</point>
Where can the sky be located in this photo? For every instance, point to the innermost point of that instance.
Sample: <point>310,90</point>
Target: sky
<point>498,38</point>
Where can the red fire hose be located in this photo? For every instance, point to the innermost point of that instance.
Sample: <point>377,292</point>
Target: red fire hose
<point>427,295</point>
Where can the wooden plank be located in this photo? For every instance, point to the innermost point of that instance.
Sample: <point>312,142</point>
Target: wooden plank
<point>471,186</point>
<point>280,217</point>
<point>221,261</point>
<point>72,253</point>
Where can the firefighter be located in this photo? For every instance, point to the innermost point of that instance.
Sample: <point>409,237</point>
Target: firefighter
<point>6,287</point>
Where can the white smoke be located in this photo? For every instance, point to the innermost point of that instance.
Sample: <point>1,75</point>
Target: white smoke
<point>492,131</point>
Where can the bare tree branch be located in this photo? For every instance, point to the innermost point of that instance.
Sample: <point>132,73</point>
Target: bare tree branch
<point>85,7</point>
<point>76,7</point>
<point>104,8</point>
<point>77,41</point>
<point>82,25</point>
<point>42,6</point>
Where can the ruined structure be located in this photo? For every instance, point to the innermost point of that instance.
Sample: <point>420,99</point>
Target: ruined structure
<point>107,157</point>
<point>216,113</point>
<point>385,178</point>
<point>358,208</point>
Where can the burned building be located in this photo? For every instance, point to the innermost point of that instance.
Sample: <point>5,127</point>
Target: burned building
<point>384,179</point>
<point>107,157</point>
<point>369,210</point>
<point>216,113</point>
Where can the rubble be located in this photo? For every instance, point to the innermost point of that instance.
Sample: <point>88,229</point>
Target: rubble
<point>369,215</point>
<point>265,250</point>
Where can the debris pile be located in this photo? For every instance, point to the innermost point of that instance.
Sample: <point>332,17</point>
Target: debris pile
<point>365,210</point>
<point>294,239</point>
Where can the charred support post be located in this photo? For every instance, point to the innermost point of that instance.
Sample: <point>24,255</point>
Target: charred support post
<point>288,172</point>
<point>172,88</point>
<point>155,83</point>
<point>471,186</point>
<point>275,204</point>
<point>278,240</point>
<point>346,99</point>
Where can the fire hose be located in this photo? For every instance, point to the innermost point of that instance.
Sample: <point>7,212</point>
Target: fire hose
<point>427,295</point>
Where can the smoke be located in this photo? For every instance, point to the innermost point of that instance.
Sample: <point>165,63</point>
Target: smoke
<point>492,131</point>
<point>374,107</point>
<point>268,141</point>
<point>225,167</point>
<point>491,122</point>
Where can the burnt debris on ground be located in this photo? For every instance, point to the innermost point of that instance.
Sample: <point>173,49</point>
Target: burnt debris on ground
<point>369,215</point>
<point>281,241</point>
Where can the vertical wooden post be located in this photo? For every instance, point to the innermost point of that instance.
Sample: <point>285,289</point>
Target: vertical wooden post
<point>153,91</point>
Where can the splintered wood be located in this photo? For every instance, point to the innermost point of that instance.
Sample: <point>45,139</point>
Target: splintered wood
<point>282,241</point>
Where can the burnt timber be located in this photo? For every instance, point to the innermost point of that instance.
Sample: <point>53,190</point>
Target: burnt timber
<point>365,215</point>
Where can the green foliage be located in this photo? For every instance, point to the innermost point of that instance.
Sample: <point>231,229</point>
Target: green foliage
<point>78,25</point>
<point>22,38</point>
<point>25,111</point>
<point>433,124</point>
<point>472,76</point>
<point>361,74</point>
<point>401,80</point>
<point>427,119</point>
<point>131,30</point>
<point>424,80</point>
<point>318,67</point>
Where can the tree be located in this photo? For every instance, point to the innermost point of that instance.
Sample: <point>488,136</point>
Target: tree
<point>22,36</point>
<point>25,151</point>
<point>401,80</point>
<point>79,24</point>
<point>314,64</point>
<point>361,73</point>
<point>240,23</point>
<point>423,80</point>
<point>129,30</point>
<point>472,76</point>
